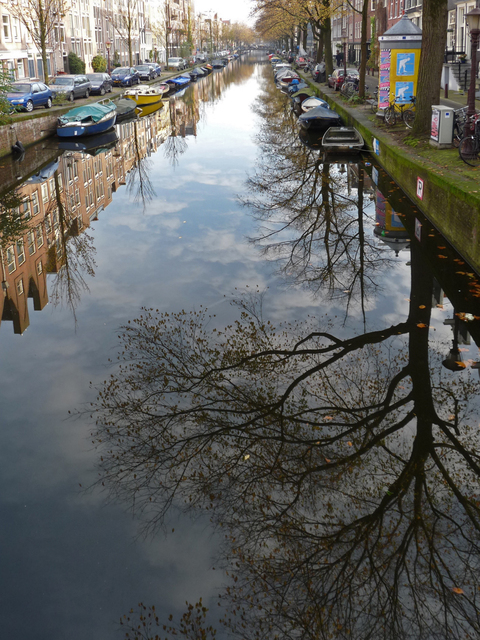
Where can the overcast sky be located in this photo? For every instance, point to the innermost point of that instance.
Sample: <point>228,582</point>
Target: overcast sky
<point>234,10</point>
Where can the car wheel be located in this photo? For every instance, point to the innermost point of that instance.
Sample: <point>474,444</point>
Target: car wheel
<point>87,93</point>
<point>49,103</point>
<point>29,106</point>
<point>71,97</point>
<point>102,91</point>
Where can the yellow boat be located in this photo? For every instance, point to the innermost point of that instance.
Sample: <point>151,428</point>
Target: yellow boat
<point>144,95</point>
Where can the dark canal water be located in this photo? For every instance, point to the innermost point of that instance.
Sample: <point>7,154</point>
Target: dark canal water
<point>314,466</point>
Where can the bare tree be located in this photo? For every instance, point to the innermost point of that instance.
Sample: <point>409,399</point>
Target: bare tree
<point>40,18</point>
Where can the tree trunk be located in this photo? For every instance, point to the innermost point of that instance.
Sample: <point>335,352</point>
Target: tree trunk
<point>43,44</point>
<point>363,49</point>
<point>434,23</point>
<point>327,39</point>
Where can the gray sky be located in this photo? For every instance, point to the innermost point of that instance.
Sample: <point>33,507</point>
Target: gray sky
<point>234,10</point>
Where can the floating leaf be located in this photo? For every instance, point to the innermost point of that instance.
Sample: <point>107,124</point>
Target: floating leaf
<point>457,590</point>
<point>328,418</point>
<point>421,306</point>
<point>422,325</point>
<point>440,256</point>
<point>246,457</point>
<point>327,460</point>
<point>350,444</point>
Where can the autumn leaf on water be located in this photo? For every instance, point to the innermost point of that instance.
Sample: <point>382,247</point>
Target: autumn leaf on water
<point>350,444</point>
<point>246,457</point>
<point>327,460</point>
<point>460,364</point>
<point>422,325</point>
<point>457,590</point>
<point>440,256</point>
<point>451,418</point>
<point>328,418</point>
<point>441,247</point>
<point>421,306</point>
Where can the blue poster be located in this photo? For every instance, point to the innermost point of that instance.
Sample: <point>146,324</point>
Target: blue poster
<point>403,91</point>
<point>405,64</point>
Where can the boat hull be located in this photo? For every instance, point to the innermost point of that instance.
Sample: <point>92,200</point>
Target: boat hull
<point>342,140</point>
<point>76,130</point>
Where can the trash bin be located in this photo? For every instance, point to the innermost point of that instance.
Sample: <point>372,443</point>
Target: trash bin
<point>441,134</point>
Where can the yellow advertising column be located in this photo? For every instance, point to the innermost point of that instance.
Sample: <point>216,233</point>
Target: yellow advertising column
<point>400,49</point>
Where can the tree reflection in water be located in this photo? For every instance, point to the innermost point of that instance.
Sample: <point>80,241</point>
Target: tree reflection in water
<point>343,470</point>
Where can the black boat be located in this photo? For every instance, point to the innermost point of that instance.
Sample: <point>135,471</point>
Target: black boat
<point>93,146</point>
<point>320,118</point>
<point>126,110</point>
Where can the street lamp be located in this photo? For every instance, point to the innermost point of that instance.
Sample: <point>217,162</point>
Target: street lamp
<point>473,22</point>
<point>108,44</point>
<point>344,43</point>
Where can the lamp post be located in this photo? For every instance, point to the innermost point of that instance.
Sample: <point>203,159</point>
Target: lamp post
<point>344,43</point>
<point>473,22</point>
<point>108,44</point>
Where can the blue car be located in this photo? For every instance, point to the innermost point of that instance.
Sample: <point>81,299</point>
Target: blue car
<point>28,95</point>
<point>125,77</point>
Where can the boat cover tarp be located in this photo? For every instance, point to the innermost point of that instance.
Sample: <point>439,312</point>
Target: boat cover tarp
<point>88,113</point>
<point>125,106</point>
<point>304,92</point>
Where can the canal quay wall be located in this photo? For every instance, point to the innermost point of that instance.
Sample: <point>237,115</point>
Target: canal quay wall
<point>448,196</point>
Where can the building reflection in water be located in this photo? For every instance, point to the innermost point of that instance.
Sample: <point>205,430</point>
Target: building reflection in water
<point>45,219</point>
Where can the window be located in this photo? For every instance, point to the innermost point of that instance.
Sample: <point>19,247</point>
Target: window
<point>35,205</point>
<point>20,286</point>
<point>39,267</point>
<point>11,259</point>
<point>31,242</point>
<point>44,188</point>
<point>20,252</point>
<point>48,224</point>
<point>6,28</point>
<point>39,235</point>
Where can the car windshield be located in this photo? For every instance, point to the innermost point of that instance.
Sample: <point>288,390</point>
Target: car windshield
<point>173,59</point>
<point>122,70</point>
<point>142,68</point>
<point>95,76</point>
<point>21,88</point>
<point>63,81</point>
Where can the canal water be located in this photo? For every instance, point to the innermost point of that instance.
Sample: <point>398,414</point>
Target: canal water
<point>347,498</point>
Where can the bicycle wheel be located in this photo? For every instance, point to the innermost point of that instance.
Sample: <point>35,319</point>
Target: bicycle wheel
<point>390,116</point>
<point>469,151</point>
<point>458,130</point>
<point>409,117</point>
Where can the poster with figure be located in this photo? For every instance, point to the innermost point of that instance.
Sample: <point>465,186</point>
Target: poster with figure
<point>384,78</point>
<point>435,124</point>
<point>403,92</point>
<point>406,64</point>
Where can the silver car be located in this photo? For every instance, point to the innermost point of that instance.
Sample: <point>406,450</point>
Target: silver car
<point>177,63</point>
<point>73,86</point>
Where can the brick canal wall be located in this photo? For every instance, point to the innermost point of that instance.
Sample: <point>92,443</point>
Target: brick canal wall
<point>28,131</point>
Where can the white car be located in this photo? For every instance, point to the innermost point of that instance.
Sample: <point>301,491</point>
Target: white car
<point>177,63</point>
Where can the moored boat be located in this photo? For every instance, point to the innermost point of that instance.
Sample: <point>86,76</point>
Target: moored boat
<point>344,140</point>
<point>319,118</point>
<point>177,83</point>
<point>312,102</point>
<point>90,119</point>
<point>145,95</point>
<point>125,109</point>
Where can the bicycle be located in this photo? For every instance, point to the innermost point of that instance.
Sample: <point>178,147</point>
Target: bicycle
<point>460,121</point>
<point>404,111</point>
<point>349,86</point>
<point>469,147</point>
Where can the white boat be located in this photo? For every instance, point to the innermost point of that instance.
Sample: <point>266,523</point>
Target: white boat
<point>145,95</point>
<point>345,140</point>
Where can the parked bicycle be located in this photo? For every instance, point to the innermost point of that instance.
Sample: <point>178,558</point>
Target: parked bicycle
<point>462,125</point>
<point>469,147</point>
<point>401,111</point>
<point>349,86</point>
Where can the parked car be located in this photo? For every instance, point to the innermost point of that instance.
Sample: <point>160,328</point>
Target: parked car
<point>145,72</point>
<point>101,83</point>
<point>335,81</point>
<point>73,86</point>
<point>125,77</point>
<point>156,68</point>
<point>177,63</point>
<point>28,95</point>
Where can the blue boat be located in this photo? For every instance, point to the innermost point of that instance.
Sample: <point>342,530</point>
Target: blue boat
<point>177,83</point>
<point>91,119</point>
